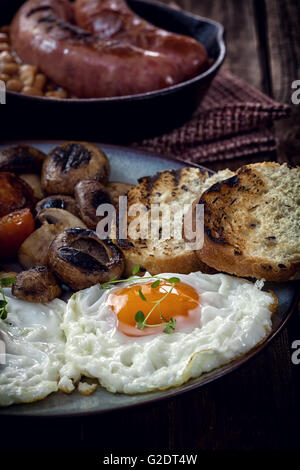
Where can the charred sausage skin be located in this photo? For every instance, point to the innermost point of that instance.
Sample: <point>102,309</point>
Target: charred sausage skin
<point>88,64</point>
<point>113,19</point>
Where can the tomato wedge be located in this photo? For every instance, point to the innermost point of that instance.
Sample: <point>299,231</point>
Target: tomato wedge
<point>15,194</point>
<point>14,228</point>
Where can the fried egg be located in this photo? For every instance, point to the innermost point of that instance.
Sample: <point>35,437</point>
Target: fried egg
<point>32,350</point>
<point>218,318</point>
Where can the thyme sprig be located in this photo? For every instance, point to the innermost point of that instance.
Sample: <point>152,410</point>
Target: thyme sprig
<point>140,318</point>
<point>5,282</point>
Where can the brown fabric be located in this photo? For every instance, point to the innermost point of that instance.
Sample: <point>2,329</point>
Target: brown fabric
<point>233,120</point>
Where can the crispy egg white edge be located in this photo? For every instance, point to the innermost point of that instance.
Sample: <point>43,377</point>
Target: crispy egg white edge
<point>34,350</point>
<point>236,316</point>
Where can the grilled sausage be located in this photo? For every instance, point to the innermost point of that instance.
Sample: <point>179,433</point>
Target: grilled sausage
<point>113,19</point>
<point>44,34</point>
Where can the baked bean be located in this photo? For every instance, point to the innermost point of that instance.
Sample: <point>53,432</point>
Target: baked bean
<point>27,78</point>
<point>11,69</point>
<point>3,37</point>
<point>28,68</point>
<point>4,46</point>
<point>40,81</point>
<point>4,77</point>
<point>32,91</point>
<point>24,77</point>
<point>6,57</point>
<point>57,94</point>
<point>14,85</point>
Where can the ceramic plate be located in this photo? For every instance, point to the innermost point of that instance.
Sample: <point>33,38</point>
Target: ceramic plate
<point>129,165</point>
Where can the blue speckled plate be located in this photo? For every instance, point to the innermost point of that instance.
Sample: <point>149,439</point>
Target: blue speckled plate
<point>129,165</point>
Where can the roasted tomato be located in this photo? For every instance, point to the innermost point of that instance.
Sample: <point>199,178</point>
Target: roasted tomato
<point>14,228</point>
<point>14,194</point>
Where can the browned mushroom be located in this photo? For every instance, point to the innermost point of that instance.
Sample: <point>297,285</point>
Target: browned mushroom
<point>34,181</point>
<point>36,285</point>
<point>117,189</point>
<point>71,162</point>
<point>59,201</point>
<point>34,250</point>
<point>89,195</point>
<point>21,159</point>
<point>80,259</point>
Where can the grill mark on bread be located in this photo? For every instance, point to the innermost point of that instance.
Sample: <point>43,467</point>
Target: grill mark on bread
<point>238,252</point>
<point>38,10</point>
<point>261,202</point>
<point>125,244</point>
<point>267,267</point>
<point>217,187</point>
<point>46,19</point>
<point>220,240</point>
<point>181,186</point>
<point>177,175</point>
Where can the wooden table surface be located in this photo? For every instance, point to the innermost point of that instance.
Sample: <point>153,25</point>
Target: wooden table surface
<point>256,407</point>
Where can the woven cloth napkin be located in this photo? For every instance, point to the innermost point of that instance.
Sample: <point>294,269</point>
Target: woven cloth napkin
<point>233,120</point>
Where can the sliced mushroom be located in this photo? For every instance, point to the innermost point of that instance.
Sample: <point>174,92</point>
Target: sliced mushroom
<point>89,195</point>
<point>21,159</point>
<point>34,181</point>
<point>71,162</point>
<point>36,285</point>
<point>117,189</point>
<point>34,250</point>
<point>59,201</point>
<point>80,259</point>
<point>59,216</point>
<point>15,194</point>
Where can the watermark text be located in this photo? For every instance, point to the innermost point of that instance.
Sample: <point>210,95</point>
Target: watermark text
<point>157,222</point>
<point>2,92</point>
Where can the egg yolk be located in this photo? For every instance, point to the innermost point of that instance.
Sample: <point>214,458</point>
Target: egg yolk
<point>180,304</point>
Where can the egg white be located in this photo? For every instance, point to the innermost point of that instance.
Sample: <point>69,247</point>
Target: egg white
<point>34,350</point>
<point>235,316</point>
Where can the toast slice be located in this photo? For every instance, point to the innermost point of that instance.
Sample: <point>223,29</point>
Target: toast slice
<point>165,254</point>
<point>252,223</point>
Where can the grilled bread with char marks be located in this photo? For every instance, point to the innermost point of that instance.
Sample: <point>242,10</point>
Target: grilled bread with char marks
<point>165,255</point>
<point>252,223</point>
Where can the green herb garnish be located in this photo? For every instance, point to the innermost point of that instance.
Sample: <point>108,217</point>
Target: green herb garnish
<point>141,320</point>
<point>5,282</point>
<point>142,295</point>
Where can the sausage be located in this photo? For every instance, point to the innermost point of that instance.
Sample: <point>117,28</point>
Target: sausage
<point>89,66</point>
<point>113,19</point>
<point>43,33</point>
